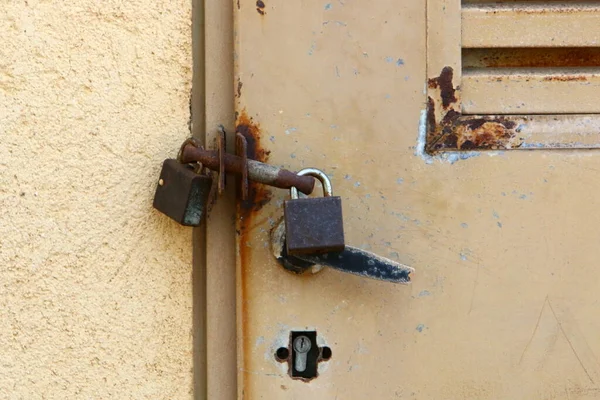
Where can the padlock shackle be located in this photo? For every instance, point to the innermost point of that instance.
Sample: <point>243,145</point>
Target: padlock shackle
<point>316,173</point>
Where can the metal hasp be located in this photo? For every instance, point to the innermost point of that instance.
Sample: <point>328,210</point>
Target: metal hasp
<point>314,225</point>
<point>303,355</point>
<point>351,260</point>
<point>254,170</point>
<point>181,193</point>
<point>363,263</point>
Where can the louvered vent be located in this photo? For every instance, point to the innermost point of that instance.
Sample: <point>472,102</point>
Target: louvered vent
<point>513,75</point>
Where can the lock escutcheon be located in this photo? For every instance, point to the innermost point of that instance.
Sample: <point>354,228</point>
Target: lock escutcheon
<point>314,225</point>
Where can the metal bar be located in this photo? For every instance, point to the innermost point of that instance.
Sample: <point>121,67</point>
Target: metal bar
<point>257,171</point>
<point>363,263</point>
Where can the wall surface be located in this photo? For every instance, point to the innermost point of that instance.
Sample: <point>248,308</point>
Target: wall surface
<point>95,285</point>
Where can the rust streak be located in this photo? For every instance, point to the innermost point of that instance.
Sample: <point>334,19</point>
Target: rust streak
<point>531,57</point>
<point>565,78</point>
<point>258,195</point>
<point>247,210</point>
<point>239,88</point>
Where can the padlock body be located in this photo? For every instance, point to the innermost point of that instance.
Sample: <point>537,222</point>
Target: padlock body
<point>182,194</point>
<point>314,225</point>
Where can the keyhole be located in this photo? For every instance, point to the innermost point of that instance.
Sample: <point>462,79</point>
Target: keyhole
<point>302,345</point>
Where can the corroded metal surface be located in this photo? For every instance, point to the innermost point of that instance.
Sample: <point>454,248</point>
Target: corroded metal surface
<point>505,301</point>
<point>257,171</point>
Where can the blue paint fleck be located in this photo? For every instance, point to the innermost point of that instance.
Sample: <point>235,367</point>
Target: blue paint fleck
<point>495,214</point>
<point>348,177</point>
<point>367,196</point>
<point>532,145</point>
<point>463,256</point>
<point>420,327</point>
<point>328,6</point>
<point>311,50</point>
<point>356,184</point>
<point>389,59</point>
<point>387,96</point>
<point>424,293</point>
<point>338,23</point>
<point>291,130</point>
<point>399,181</point>
<point>523,197</point>
<point>464,225</point>
<point>333,126</point>
<point>307,114</point>
<point>453,157</point>
<point>499,224</point>
<point>293,155</point>
<point>272,139</point>
<point>399,62</point>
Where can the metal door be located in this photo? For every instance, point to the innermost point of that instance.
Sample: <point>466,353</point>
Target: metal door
<point>504,301</point>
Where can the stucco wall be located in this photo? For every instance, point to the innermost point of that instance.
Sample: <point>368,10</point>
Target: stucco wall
<point>95,285</point>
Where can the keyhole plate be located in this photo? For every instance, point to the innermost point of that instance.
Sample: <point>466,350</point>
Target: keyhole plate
<point>303,355</point>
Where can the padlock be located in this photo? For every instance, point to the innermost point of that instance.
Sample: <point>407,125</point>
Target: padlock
<point>314,225</point>
<point>182,193</point>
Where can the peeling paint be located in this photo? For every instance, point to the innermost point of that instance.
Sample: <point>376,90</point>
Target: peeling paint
<point>447,156</point>
<point>448,130</point>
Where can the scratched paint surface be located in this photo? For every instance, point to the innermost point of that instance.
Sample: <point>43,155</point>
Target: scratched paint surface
<point>503,303</point>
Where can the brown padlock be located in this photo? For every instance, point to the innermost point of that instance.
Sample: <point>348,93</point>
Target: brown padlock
<point>314,225</point>
<point>182,193</point>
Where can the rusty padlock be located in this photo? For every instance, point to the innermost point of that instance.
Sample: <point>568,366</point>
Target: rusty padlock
<point>314,225</point>
<point>182,193</point>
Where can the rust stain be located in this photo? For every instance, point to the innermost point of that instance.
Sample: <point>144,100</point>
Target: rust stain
<point>239,88</point>
<point>260,7</point>
<point>444,83</point>
<point>565,78</point>
<point>482,134</point>
<point>448,129</point>
<point>247,210</point>
<point>258,195</point>
<point>557,57</point>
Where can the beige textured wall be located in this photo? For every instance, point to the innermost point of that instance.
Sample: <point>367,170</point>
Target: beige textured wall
<point>95,286</point>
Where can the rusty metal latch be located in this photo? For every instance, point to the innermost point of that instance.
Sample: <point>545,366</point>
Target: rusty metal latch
<point>185,186</point>
<point>351,260</point>
<point>239,164</point>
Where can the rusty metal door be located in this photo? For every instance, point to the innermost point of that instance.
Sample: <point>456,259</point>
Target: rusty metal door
<point>504,303</point>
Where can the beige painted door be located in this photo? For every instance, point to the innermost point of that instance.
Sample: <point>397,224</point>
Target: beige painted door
<point>504,302</point>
